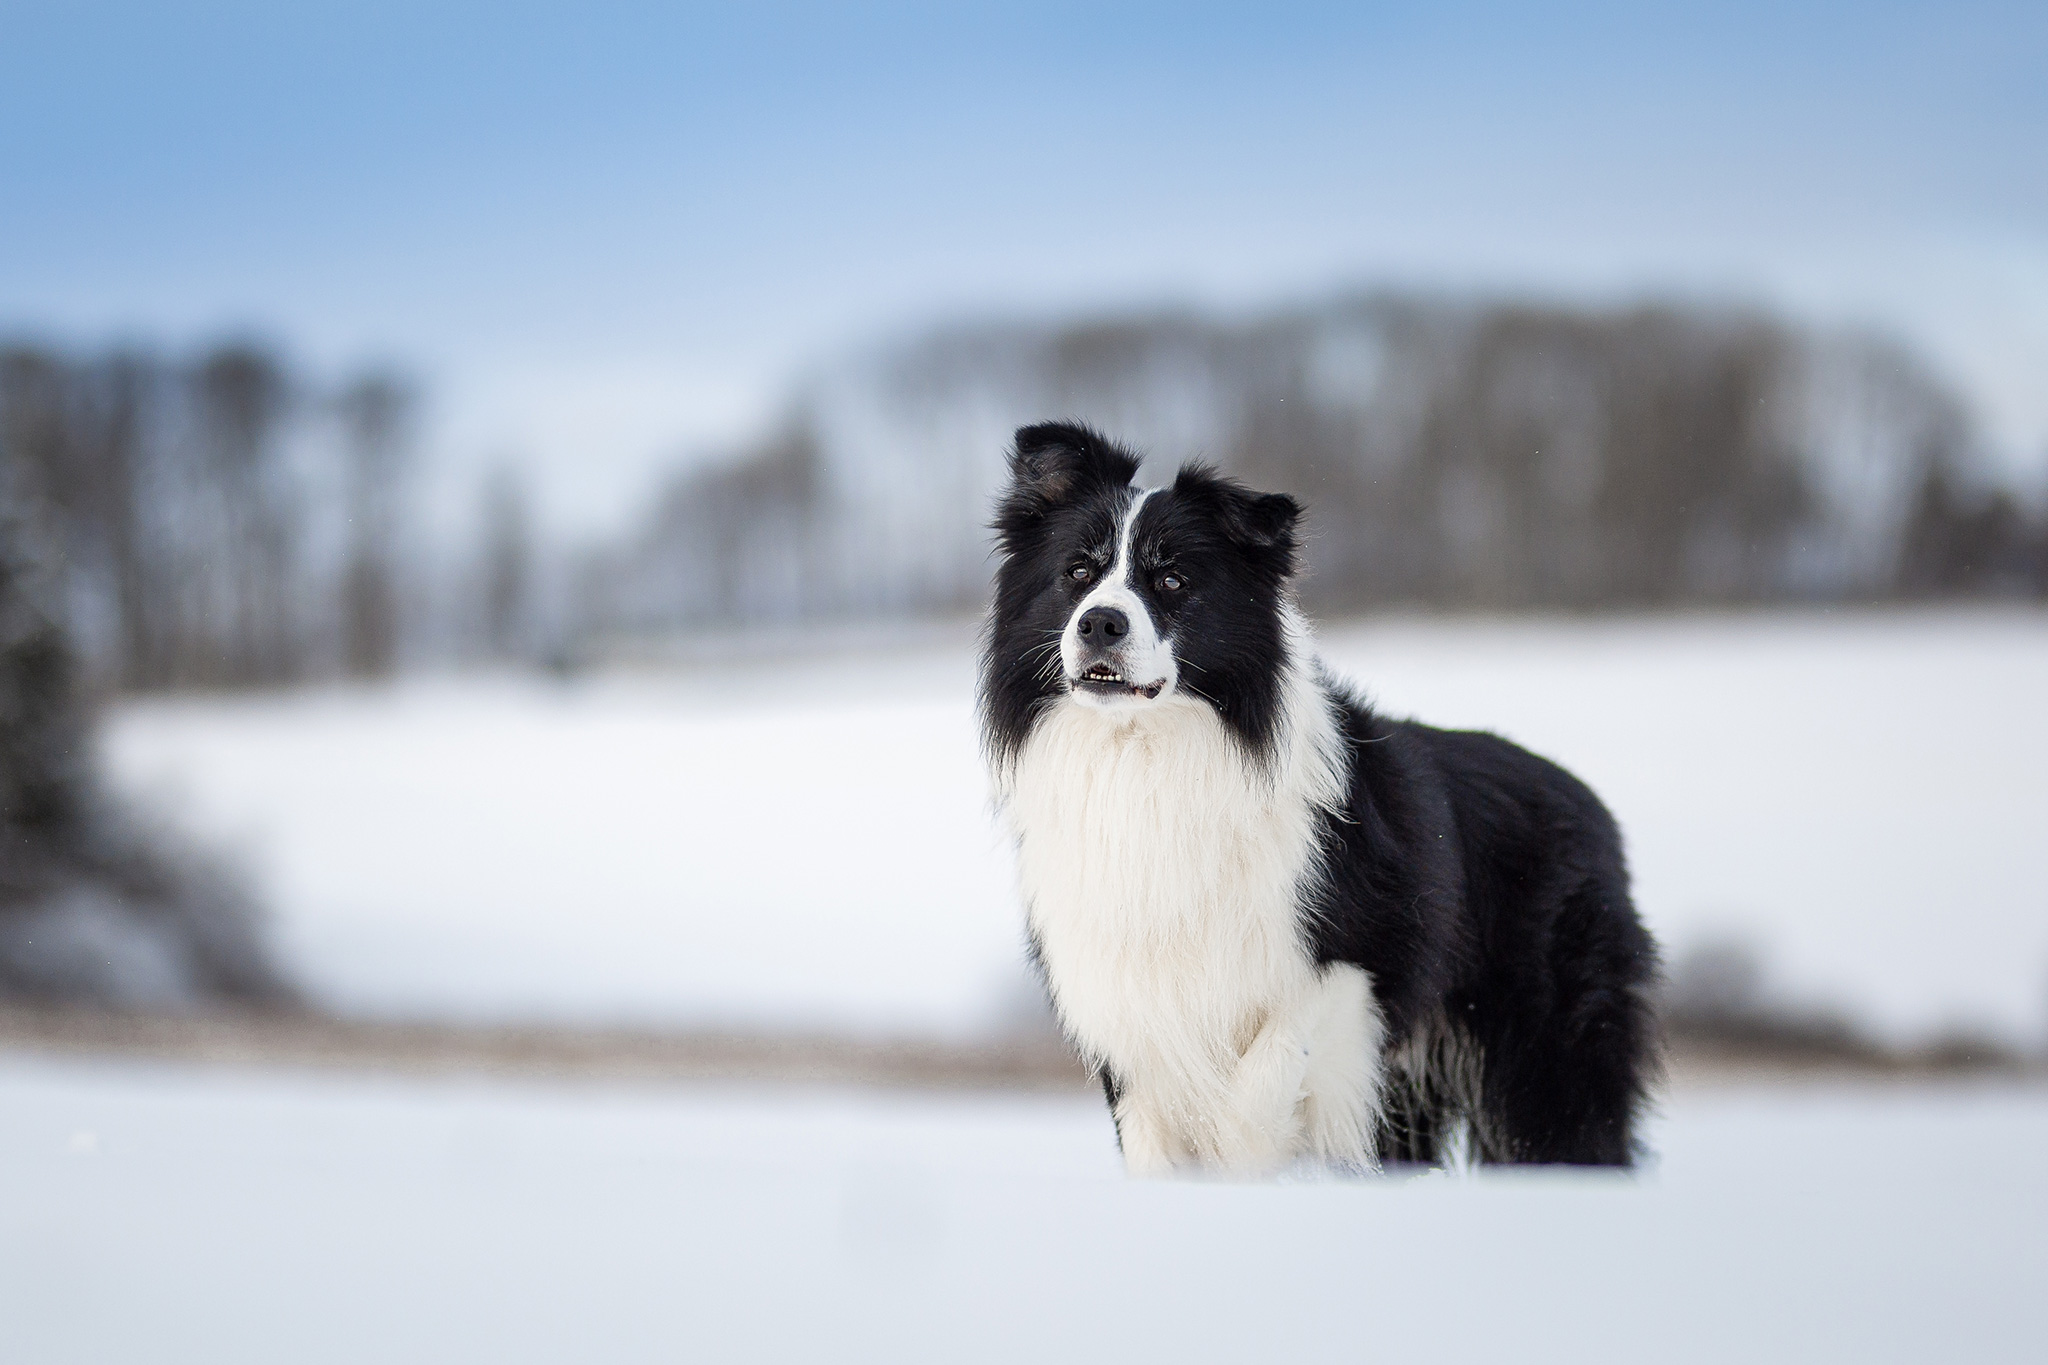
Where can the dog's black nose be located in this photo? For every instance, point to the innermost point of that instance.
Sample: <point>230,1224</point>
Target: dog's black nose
<point>1103,625</point>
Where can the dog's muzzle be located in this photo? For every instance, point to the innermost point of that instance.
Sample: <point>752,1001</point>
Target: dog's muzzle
<point>1103,633</point>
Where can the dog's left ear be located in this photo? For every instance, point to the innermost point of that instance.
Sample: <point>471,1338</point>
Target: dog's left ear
<point>1261,524</point>
<point>1263,521</point>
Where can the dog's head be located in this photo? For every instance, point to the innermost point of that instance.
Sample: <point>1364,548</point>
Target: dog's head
<point>1121,599</point>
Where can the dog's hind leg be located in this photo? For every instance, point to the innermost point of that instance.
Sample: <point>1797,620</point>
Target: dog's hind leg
<point>1112,1092</point>
<point>1412,1125</point>
<point>1564,1086</point>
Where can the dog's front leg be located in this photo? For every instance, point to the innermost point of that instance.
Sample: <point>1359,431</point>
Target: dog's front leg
<point>1262,1130</point>
<point>1149,1142</point>
<point>1341,1092</point>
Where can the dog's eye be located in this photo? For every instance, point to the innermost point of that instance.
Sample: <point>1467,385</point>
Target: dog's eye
<point>1080,573</point>
<point>1172,582</point>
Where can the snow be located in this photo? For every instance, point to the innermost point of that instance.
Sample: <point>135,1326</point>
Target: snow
<point>169,1213</point>
<point>749,850</point>
<point>806,843</point>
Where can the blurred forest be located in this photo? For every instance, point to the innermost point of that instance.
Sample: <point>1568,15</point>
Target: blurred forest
<point>223,520</point>
<point>217,521</point>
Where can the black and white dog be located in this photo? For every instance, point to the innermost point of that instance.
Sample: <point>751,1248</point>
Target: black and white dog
<point>1281,926</point>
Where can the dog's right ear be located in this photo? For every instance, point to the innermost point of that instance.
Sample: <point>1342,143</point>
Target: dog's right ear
<point>1056,462</point>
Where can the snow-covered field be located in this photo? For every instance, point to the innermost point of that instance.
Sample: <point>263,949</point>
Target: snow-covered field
<point>170,1214</point>
<point>806,844</point>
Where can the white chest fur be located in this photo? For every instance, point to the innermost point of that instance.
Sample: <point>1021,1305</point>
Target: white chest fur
<point>1162,873</point>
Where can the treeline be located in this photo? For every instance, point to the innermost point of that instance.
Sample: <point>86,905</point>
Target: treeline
<point>220,519</point>
<point>1453,454</point>
<point>224,520</point>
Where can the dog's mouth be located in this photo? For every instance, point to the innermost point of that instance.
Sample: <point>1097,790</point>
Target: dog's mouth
<point>1105,681</point>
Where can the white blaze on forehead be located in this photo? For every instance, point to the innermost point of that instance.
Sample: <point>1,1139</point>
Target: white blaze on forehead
<point>1120,570</point>
<point>1145,656</point>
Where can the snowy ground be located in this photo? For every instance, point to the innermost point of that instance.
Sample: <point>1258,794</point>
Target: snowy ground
<point>806,844</point>
<point>162,1213</point>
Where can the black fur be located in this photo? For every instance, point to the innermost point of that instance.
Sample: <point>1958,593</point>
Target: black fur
<point>1483,888</point>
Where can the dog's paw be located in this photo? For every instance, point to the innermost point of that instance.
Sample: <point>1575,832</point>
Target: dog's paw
<point>1149,1148</point>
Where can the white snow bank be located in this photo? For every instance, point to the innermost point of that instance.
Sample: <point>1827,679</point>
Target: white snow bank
<point>789,847</point>
<point>807,844</point>
<point>165,1214</point>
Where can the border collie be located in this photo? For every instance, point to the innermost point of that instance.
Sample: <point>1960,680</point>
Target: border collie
<point>1282,927</point>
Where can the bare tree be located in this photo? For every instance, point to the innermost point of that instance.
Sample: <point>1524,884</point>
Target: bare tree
<point>242,398</point>
<point>507,568</point>
<point>376,412</point>
<point>1970,541</point>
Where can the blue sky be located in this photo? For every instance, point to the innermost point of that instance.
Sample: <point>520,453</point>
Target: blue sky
<point>605,233</point>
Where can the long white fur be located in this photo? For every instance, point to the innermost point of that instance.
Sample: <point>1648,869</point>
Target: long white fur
<point>1163,874</point>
